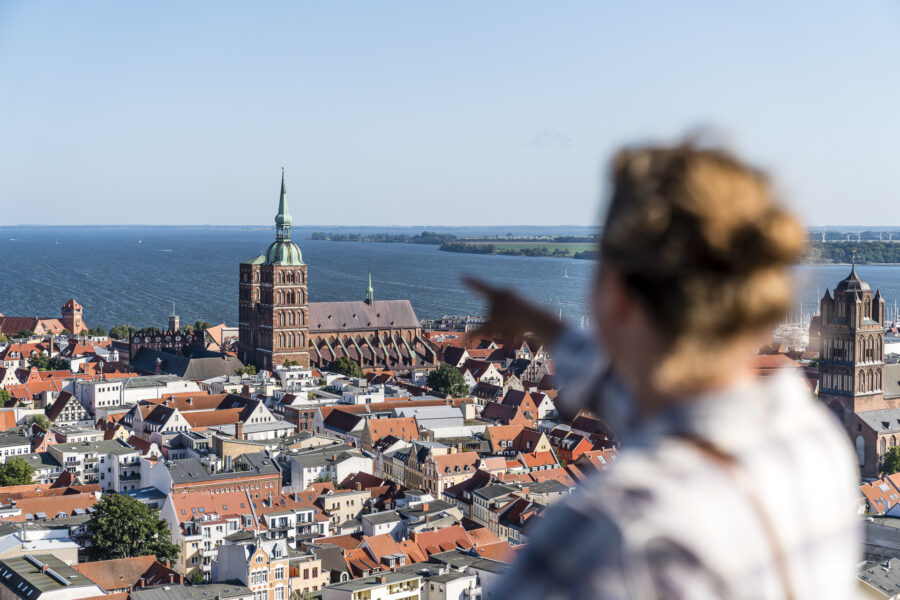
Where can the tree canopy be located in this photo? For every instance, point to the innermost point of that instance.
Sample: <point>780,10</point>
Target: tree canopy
<point>347,367</point>
<point>890,463</point>
<point>15,471</point>
<point>5,397</point>
<point>25,333</point>
<point>122,332</point>
<point>122,527</point>
<point>39,420</point>
<point>248,370</point>
<point>448,380</point>
<point>46,363</point>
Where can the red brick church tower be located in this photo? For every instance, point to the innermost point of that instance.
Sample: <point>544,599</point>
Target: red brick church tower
<point>71,317</point>
<point>851,366</point>
<point>273,311</point>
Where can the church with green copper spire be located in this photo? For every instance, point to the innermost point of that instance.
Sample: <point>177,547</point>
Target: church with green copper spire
<point>277,323</point>
<point>273,310</point>
<point>283,251</point>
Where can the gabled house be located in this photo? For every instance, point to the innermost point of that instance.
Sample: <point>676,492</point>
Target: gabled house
<point>509,440</point>
<point>376,429</point>
<point>525,402</point>
<point>504,414</point>
<point>443,471</point>
<point>480,371</point>
<point>67,410</point>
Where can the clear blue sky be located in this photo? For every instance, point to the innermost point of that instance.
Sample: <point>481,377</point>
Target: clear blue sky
<point>413,113</point>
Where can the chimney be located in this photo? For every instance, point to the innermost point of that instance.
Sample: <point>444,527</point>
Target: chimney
<point>43,568</point>
<point>168,564</point>
<point>171,577</point>
<point>358,486</point>
<point>425,506</point>
<point>382,579</point>
<point>334,457</point>
<point>141,582</point>
<point>239,430</point>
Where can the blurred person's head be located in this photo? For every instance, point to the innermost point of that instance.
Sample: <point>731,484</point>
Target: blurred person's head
<point>695,268</point>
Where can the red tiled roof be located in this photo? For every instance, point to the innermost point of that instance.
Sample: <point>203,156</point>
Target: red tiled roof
<point>209,418</point>
<point>538,459</point>
<point>441,540</point>
<point>482,536</point>
<point>127,572</point>
<point>347,542</point>
<point>400,427</point>
<point>382,545</point>
<point>501,552</point>
<point>53,505</point>
<point>558,474</point>
<point>413,552</point>
<point>447,464</point>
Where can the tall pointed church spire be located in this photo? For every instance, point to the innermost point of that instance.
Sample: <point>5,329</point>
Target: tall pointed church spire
<point>370,292</point>
<point>283,218</point>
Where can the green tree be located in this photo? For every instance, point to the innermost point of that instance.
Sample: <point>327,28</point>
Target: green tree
<point>25,333</point>
<point>66,331</point>
<point>15,471</point>
<point>39,420</point>
<point>122,527</point>
<point>448,380</point>
<point>196,577</point>
<point>3,338</point>
<point>5,398</point>
<point>122,332</point>
<point>345,366</point>
<point>97,331</point>
<point>291,363</point>
<point>248,370</point>
<point>201,326</point>
<point>890,463</point>
<point>45,363</point>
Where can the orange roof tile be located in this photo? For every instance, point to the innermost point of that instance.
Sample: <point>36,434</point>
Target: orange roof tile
<point>501,552</point>
<point>482,536</point>
<point>347,542</point>
<point>441,540</point>
<point>402,428</point>
<point>455,463</point>
<point>382,545</point>
<point>126,572</point>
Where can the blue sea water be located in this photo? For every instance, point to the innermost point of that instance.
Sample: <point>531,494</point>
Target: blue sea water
<point>133,274</point>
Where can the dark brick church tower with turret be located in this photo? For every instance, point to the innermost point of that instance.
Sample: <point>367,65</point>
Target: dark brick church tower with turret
<point>852,371</point>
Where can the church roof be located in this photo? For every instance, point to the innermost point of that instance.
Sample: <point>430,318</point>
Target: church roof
<point>358,315</point>
<point>285,253</point>
<point>256,260</point>
<point>852,283</point>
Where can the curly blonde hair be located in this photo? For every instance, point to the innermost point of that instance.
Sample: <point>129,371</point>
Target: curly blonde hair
<point>702,242</point>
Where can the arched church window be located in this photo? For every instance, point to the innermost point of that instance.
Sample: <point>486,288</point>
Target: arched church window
<point>861,450</point>
<point>883,446</point>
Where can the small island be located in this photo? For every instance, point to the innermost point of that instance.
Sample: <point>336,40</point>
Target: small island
<point>560,246</point>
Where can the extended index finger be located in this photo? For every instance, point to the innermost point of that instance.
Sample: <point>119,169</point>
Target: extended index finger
<point>479,285</point>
